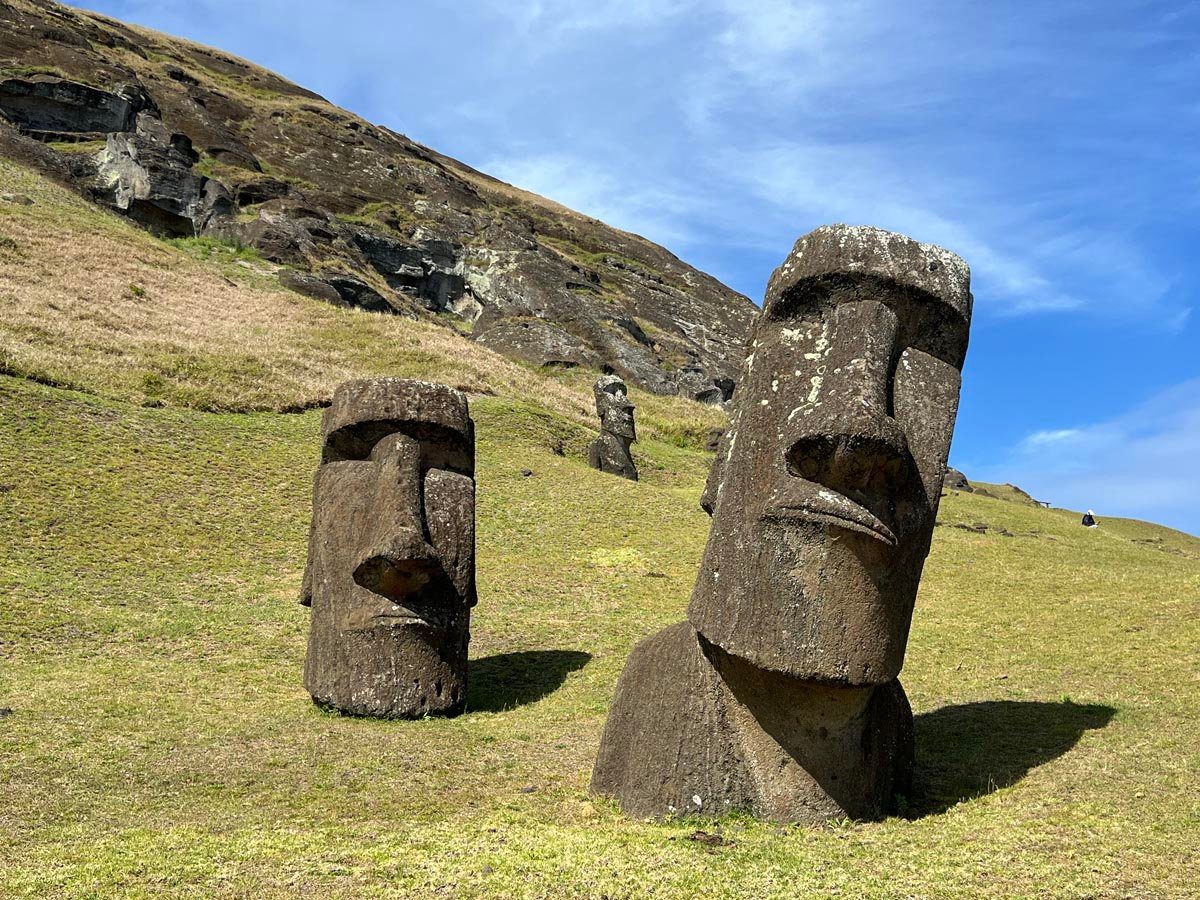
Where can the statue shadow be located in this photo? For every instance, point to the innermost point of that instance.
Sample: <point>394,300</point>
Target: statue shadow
<point>507,680</point>
<point>972,749</point>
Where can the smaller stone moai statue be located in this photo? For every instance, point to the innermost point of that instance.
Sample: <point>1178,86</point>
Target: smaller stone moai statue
<point>610,451</point>
<point>391,551</point>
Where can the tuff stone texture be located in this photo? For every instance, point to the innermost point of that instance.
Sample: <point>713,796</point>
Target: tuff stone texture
<point>828,484</point>
<point>391,559</point>
<point>695,730</point>
<point>778,696</point>
<point>147,174</point>
<point>610,451</point>
<point>51,106</point>
<point>422,233</point>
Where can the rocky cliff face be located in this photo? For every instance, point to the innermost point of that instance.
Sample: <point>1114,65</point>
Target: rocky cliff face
<point>191,141</point>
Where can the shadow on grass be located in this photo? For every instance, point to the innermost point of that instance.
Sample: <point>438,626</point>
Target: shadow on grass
<point>507,680</point>
<point>972,749</point>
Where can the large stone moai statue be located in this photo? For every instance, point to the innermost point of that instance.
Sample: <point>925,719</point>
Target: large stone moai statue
<point>391,551</point>
<point>610,451</point>
<point>779,695</point>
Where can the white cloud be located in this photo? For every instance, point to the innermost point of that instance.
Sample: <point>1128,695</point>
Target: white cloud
<point>658,211</point>
<point>811,184</point>
<point>1140,464</point>
<point>1056,437</point>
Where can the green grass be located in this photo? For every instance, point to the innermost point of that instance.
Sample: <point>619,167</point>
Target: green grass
<point>81,148</point>
<point>160,742</point>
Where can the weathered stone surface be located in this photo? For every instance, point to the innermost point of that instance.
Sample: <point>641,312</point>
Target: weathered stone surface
<point>310,286</point>
<point>694,382</point>
<point>147,174</point>
<point>426,271</point>
<point>538,342</point>
<point>610,451</point>
<point>612,300</point>
<point>833,466</point>
<point>262,190</point>
<point>391,558</point>
<point>44,104</point>
<point>359,294</point>
<point>284,232</point>
<point>695,730</point>
<point>779,696</point>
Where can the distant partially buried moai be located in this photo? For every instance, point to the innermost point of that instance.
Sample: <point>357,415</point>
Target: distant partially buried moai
<point>391,551</point>
<point>778,696</point>
<point>610,451</point>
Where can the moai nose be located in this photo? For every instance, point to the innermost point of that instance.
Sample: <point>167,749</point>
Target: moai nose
<point>399,567</point>
<point>397,562</point>
<point>853,444</point>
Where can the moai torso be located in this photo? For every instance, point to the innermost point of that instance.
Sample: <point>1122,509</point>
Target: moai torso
<point>391,564</point>
<point>779,695</point>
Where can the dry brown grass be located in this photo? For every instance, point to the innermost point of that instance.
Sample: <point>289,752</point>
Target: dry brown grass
<point>89,301</point>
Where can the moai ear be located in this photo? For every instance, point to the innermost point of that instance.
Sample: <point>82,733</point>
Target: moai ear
<point>306,585</point>
<point>712,487</point>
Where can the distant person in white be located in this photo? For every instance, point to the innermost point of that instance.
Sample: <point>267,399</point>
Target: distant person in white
<point>1089,519</point>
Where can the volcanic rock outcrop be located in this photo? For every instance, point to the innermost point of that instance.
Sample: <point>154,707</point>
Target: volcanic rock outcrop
<point>779,695</point>
<point>610,451</point>
<point>189,140</point>
<point>391,554</point>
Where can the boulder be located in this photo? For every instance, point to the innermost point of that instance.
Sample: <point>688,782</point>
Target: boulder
<point>957,481</point>
<point>425,271</point>
<point>693,382</point>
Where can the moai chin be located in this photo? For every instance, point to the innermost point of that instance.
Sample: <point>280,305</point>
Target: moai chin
<point>610,451</point>
<point>779,696</point>
<point>391,553</point>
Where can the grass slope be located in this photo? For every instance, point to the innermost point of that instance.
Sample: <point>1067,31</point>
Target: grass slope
<point>160,743</point>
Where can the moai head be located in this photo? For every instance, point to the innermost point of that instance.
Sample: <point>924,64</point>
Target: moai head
<point>391,574</point>
<point>825,489</point>
<point>614,408</point>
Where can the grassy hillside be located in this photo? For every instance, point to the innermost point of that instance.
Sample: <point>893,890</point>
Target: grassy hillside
<point>160,743</point>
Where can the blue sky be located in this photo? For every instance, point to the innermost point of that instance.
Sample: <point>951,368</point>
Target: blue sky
<point>1053,145</point>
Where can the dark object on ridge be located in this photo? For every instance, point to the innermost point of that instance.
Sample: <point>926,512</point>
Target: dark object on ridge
<point>1089,519</point>
<point>610,451</point>
<point>779,695</point>
<point>391,552</point>
<point>957,481</point>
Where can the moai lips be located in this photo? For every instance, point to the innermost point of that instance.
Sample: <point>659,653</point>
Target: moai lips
<point>391,567</point>
<point>779,696</point>
<point>610,451</point>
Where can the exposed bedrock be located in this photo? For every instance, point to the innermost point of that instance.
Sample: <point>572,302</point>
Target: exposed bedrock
<point>198,142</point>
<point>49,107</point>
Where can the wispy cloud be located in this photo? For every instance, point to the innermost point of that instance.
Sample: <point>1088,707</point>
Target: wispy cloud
<point>656,209</point>
<point>1140,464</point>
<point>816,183</point>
